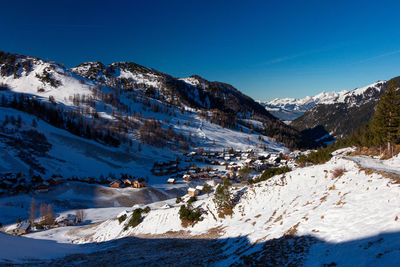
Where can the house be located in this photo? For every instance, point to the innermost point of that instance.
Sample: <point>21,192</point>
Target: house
<point>193,174</point>
<point>42,188</point>
<point>127,182</point>
<point>68,220</point>
<point>171,181</point>
<point>137,184</point>
<point>231,175</point>
<point>187,177</point>
<point>193,191</point>
<point>21,229</point>
<point>247,162</point>
<point>199,188</point>
<point>115,184</point>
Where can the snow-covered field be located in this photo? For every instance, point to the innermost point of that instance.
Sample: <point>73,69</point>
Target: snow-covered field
<point>353,219</point>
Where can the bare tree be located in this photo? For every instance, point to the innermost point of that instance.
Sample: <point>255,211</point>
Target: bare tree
<point>80,215</point>
<point>33,210</point>
<point>43,211</point>
<point>49,219</point>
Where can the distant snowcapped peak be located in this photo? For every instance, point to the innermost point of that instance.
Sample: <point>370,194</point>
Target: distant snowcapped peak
<point>292,108</point>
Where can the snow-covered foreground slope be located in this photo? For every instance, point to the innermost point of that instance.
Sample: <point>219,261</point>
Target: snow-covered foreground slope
<point>350,219</point>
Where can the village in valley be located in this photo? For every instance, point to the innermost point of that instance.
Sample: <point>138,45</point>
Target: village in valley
<point>198,171</point>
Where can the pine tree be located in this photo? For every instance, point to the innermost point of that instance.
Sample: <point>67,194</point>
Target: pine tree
<point>386,120</point>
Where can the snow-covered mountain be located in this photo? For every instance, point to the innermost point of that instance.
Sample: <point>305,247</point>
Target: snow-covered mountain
<point>288,109</point>
<point>342,115</point>
<point>121,108</point>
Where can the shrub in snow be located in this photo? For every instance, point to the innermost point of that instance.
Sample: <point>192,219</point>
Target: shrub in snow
<point>268,173</point>
<point>189,215</point>
<point>122,218</point>
<point>207,189</point>
<point>245,172</point>
<point>146,209</point>
<point>136,217</point>
<point>337,172</point>
<point>191,200</point>
<point>178,200</point>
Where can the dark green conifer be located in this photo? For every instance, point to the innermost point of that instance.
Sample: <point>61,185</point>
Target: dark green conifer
<point>385,123</point>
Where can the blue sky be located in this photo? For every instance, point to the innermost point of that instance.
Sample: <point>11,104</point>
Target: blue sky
<point>266,49</point>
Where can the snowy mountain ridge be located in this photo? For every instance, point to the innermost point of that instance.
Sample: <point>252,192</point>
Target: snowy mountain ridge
<point>341,116</point>
<point>289,109</point>
<point>121,107</point>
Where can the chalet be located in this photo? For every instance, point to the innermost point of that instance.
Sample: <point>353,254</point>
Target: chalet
<point>21,229</point>
<point>187,177</point>
<point>247,162</point>
<point>193,174</point>
<point>42,188</point>
<point>171,181</point>
<point>138,184</point>
<point>193,191</point>
<point>199,188</point>
<point>127,183</point>
<point>68,220</point>
<point>115,184</point>
<point>203,175</point>
<point>231,175</point>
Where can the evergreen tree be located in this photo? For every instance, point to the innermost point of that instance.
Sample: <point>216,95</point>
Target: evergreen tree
<point>386,120</point>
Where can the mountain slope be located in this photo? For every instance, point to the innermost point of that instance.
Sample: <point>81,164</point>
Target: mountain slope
<point>341,116</point>
<point>228,105</point>
<point>126,108</point>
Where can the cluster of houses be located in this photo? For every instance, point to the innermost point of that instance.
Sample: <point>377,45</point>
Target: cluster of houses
<point>195,191</point>
<point>25,227</point>
<point>165,168</point>
<point>219,166</point>
<point>15,183</point>
<point>128,182</point>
